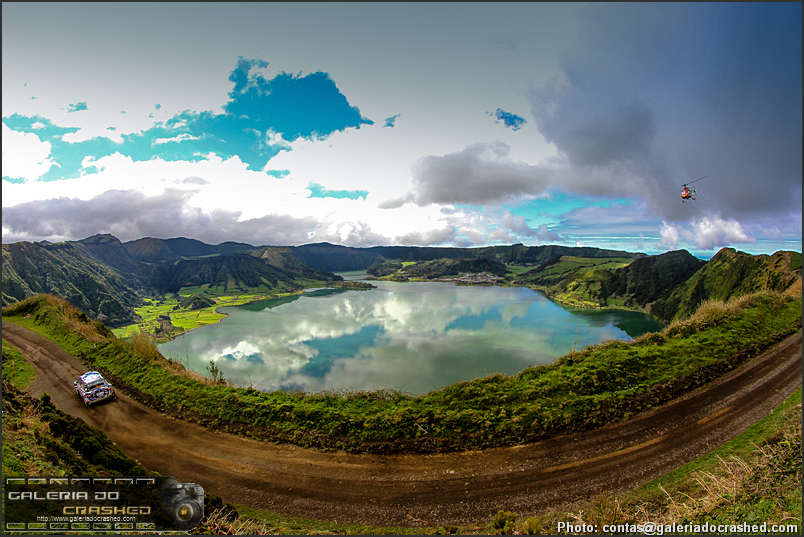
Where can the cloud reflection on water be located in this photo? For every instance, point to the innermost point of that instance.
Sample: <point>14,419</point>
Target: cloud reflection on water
<point>414,337</point>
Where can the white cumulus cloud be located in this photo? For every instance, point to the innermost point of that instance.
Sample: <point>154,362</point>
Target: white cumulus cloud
<point>25,156</point>
<point>706,233</point>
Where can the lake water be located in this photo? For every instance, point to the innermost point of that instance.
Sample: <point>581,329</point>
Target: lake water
<point>412,336</point>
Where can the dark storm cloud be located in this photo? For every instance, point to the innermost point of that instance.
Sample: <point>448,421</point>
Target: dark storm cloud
<point>601,134</point>
<point>506,43</point>
<point>653,96</point>
<point>672,92</point>
<point>481,173</point>
<point>125,214</point>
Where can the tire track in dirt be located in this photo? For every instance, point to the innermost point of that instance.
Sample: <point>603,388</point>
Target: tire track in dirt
<point>432,489</point>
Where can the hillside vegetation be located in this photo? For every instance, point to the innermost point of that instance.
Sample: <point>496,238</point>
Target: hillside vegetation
<point>108,280</point>
<point>436,268</point>
<point>325,256</point>
<point>732,273</point>
<point>668,286</point>
<point>68,270</point>
<point>598,385</point>
<point>111,281</point>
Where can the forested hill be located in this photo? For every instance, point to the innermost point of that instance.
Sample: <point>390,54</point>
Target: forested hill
<point>334,258</point>
<point>154,250</point>
<point>69,270</point>
<point>651,278</point>
<point>107,279</point>
<point>670,285</point>
<point>728,274</point>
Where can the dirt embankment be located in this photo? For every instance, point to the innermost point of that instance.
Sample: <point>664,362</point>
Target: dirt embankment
<point>431,489</point>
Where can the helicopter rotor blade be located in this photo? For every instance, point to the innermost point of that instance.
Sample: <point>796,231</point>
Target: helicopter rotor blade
<point>704,177</point>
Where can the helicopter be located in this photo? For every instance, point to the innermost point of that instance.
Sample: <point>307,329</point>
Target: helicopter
<point>688,193</point>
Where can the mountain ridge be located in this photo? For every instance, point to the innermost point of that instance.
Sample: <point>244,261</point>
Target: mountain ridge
<point>107,278</point>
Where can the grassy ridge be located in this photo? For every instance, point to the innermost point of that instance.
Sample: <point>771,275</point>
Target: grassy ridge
<point>600,384</point>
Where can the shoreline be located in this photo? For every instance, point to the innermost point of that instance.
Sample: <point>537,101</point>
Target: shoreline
<point>256,298</point>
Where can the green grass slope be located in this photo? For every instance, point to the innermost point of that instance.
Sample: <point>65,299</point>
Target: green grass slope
<point>650,278</point>
<point>69,271</point>
<point>731,273</point>
<point>598,385</point>
<point>753,479</point>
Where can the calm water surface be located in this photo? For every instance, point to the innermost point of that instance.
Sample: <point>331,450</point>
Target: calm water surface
<point>410,336</point>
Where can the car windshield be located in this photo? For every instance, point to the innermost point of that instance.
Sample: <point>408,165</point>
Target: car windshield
<point>95,384</point>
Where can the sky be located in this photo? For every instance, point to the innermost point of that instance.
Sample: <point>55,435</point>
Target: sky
<point>424,124</point>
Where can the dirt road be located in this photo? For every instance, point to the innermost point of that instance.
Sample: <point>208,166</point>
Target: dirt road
<point>431,490</point>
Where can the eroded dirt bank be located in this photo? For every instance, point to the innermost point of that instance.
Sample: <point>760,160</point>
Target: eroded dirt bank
<point>437,489</point>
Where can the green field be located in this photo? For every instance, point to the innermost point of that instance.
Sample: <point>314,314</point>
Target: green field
<point>516,270</point>
<point>574,281</point>
<point>183,319</point>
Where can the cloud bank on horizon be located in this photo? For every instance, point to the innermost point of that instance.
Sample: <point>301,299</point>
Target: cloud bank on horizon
<point>497,123</point>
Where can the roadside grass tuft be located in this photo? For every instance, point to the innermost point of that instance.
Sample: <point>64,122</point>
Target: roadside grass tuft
<point>504,523</point>
<point>15,369</point>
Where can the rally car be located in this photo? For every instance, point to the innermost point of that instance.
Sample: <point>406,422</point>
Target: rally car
<point>92,388</point>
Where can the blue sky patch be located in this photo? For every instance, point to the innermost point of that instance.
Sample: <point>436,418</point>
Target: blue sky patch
<point>512,121</point>
<point>41,126</point>
<point>318,191</point>
<point>549,210</point>
<point>77,107</point>
<point>391,121</point>
<point>260,117</point>
<point>309,107</point>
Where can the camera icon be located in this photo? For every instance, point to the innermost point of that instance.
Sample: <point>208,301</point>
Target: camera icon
<point>183,503</point>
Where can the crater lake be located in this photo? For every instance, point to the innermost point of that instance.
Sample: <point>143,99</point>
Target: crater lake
<point>408,336</point>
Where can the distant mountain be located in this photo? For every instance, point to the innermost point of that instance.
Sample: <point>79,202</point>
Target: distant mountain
<point>334,258</point>
<point>237,270</point>
<point>108,249</point>
<point>728,274</point>
<point>284,257</point>
<point>107,278</point>
<point>438,268</point>
<point>152,250</point>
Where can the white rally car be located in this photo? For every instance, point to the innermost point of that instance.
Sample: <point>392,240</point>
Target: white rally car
<point>92,388</point>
